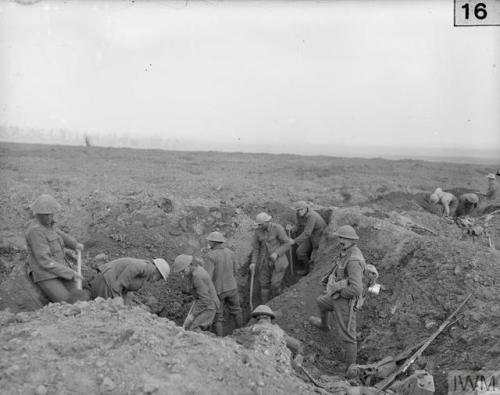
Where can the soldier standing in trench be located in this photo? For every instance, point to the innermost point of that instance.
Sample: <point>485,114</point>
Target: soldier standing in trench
<point>491,194</point>
<point>310,225</point>
<point>220,264</point>
<point>206,303</point>
<point>344,289</point>
<point>269,246</point>
<point>47,265</point>
<point>120,276</point>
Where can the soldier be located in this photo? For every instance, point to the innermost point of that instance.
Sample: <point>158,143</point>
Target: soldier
<point>123,275</point>
<point>269,247</point>
<point>48,268</point>
<point>220,264</point>
<point>263,315</point>
<point>344,289</point>
<point>492,187</point>
<point>467,202</point>
<point>309,228</point>
<point>445,199</point>
<point>206,304</point>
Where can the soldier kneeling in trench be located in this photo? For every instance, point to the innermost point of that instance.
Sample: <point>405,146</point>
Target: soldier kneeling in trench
<point>206,303</point>
<point>344,289</point>
<point>120,276</point>
<point>48,268</point>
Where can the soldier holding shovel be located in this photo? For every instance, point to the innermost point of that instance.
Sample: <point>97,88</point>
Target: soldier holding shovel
<point>48,268</point>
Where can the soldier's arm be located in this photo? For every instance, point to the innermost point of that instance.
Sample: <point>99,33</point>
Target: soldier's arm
<point>69,241</point>
<point>354,280</point>
<point>256,246</point>
<point>209,265</point>
<point>122,283</point>
<point>41,250</point>
<point>285,242</point>
<point>308,229</point>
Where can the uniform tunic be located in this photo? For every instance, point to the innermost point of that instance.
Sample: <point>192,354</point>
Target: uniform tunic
<point>120,276</point>
<point>264,244</point>
<point>206,300</point>
<point>46,252</point>
<point>312,225</point>
<point>220,264</point>
<point>349,266</point>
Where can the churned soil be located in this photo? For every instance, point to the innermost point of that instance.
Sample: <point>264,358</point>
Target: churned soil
<point>153,203</point>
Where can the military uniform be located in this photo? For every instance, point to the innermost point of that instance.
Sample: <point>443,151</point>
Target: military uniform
<point>466,203</point>
<point>47,265</point>
<point>120,276</point>
<point>447,200</point>
<point>349,268</point>
<point>311,226</point>
<point>492,189</point>
<point>220,264</point>
<point>206,301</point>
<point>264,244</point>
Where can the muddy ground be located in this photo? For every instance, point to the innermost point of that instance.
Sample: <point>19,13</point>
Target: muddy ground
<point>150,203</point>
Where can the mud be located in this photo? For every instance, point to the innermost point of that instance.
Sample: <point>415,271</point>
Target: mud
<point>153,203</point>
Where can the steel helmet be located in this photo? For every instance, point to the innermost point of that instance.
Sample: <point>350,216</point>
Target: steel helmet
<point>300,205</point>
<point>434,198</point>
<point>262,217</point>
<point>182,262</point>
<point>346,232</point>
<point>216,236</point>
<point>45,204</point>
<point>491,176</point>
<point>263,310</point>
<point>162,266</point>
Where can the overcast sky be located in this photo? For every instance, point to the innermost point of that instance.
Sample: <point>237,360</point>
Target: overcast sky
<point>385,73</point>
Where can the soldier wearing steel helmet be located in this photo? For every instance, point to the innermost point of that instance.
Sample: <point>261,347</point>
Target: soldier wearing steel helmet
<point>48,268</point>
<point>344,287</point>
<point>268,258</point>
<point>221,265</point>
<point>491,194</point>
<point>264,315</point>
<point>307,233</point>
<point>120,276</point>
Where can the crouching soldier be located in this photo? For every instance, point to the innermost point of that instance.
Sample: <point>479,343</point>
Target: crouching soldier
<point>307,233</point>
<point>48,268</point>
<point>206,303</point>
<point>269,246</point>
<point>467,203</point>
<point>123,275</point>
<point>447,200</point>
<point>344,288</point>
<point>220,263</point>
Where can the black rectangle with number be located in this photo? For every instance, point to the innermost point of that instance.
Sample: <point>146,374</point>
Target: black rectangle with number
<point>477,13</point>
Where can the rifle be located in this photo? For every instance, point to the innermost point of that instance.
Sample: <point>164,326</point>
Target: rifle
<point>384,384</point>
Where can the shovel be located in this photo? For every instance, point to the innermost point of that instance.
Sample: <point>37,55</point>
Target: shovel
<point>252,273</point>
<point>79,269</point>
<point>188,315</point>
<point>291,253</point>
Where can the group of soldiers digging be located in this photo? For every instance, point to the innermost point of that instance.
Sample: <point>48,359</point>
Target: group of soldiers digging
<point>211,278</point>
<point>466,203</point>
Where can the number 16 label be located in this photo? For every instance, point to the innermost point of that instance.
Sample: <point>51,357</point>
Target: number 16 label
<point>477,13</point>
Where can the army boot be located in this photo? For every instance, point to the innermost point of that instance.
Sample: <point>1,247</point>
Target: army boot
<point>351,351</point>
<point>219,329</point>
<point>321,323</point>
<point>238,321</point>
